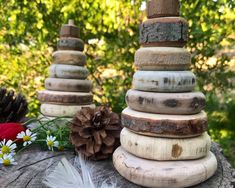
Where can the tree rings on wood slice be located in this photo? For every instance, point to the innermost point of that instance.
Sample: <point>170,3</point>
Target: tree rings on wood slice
<point>163,8</point>
<point>70,44</point>
<point>69,57</point>
<point>167,31</point>
<point>56,110</point>
<point>165,149</point>
<point>162,58</point>
<point>162,125</point>
<point>58,84</point>
<point>166,103</point>
<point>68,71</point>
<point>164,81</point>
<point>61,97</point>
<point>164,174</point>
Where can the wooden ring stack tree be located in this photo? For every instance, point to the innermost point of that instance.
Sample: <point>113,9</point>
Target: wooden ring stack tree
<point>67,88</point>
<point>164,142</point>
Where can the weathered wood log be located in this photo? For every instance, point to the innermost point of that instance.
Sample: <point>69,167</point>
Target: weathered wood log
<point>70,44</point>
<point>69,30</point>
<point>164,174</point>
<point>166,103</point>
<point>68,71</point>
<point>168,32</point>
<point>61,97</point>
<point>162,58</point>
<point>35,164</point>
<point>57,84</point>
<point>164,149</point>
<point>163,8</point>
<point>163,125</point>
<point>69,57</point>
<point>55,110</point>
<point>164,81</point>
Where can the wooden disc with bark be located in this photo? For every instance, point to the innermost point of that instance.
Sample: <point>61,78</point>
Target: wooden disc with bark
<point>166,103</point>
<point>163,174</point>
<point>69,57</point>
<point>164,149</point>
<point>69,43</point>
<point>161,125</point>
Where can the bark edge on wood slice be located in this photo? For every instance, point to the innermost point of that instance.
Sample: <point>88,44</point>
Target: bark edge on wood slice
<point>158,174</point>
<point>73,85</point>
<point>162,8</point>
<point>164,81</point>
<point>162,58</point>
<point>166,103</point>
<point>161,125</point>
<point>58,97</point>
<point>70,44</point>
<point>69,57</point>
<point>68,71</point>
<point>167,31</point>
<point>165,149</point>
<point>57,110</point>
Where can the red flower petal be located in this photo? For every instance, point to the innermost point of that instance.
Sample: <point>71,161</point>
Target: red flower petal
<point>9,131</point>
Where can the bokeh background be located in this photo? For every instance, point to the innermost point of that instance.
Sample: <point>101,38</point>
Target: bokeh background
<point>29,33</point>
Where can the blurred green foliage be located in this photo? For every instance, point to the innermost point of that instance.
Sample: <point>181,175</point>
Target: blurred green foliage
<point>29,32</point>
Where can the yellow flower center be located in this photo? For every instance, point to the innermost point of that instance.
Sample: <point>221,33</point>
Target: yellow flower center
<point>6,162</point>
<point>26,138</point>
<point>6,150</point>
<point>50,143</point>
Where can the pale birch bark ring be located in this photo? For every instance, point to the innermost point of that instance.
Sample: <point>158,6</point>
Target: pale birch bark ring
<point>166,31</point>
<point>162,58</point>
<point>164,149</point>
<point>164,81</point>
<point>55,110</point>
<point>166,103</point>
<point>60,97</point>
<point>167,174</point>
<point>162,125</point>
<point>68,71</point>
<point>58,84</point>
<point>69,57</point>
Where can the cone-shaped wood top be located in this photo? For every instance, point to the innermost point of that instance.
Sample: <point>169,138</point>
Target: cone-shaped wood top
<point>163,8</point>
<point>69,30</point>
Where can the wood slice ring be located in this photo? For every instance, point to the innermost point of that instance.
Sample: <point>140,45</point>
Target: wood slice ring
<point>68,71</point>
<point>165,149</point>
<point>162,58</point>
<point>163,8</point>
<point>60,84</point>
<point>57,110</point>
<point>161,125</point>
<point>69,57</point>
<point>70,44</point>
<point>164,81</point>
<point>164,174</point>
<point>167,31</point>
<point>166,103</point>
<point>61,97</point>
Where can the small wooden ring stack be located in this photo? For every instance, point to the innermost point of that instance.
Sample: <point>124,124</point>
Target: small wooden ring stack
<point>164,125</point>
<point>68,89</point>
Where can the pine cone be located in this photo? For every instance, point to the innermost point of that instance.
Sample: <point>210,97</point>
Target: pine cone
<point>12,108</point>
<point>95,132</point>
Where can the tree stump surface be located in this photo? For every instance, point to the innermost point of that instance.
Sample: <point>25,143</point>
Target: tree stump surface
<point>35,164</point>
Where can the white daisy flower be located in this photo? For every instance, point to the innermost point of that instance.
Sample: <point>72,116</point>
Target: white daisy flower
<point>51,142</point>
<point>7,160</point>
<point>27,136</point>
<point>7,147</point>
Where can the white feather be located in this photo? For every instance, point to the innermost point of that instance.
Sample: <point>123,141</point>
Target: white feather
<point>65,175</point>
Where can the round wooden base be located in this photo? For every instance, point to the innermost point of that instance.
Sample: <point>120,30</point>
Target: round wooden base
<point>163,125</point>
<point>62,110</point>
<point>166,103</point>
<point>164,81</point>
<point>165,149</point>
<point>163,174</point>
